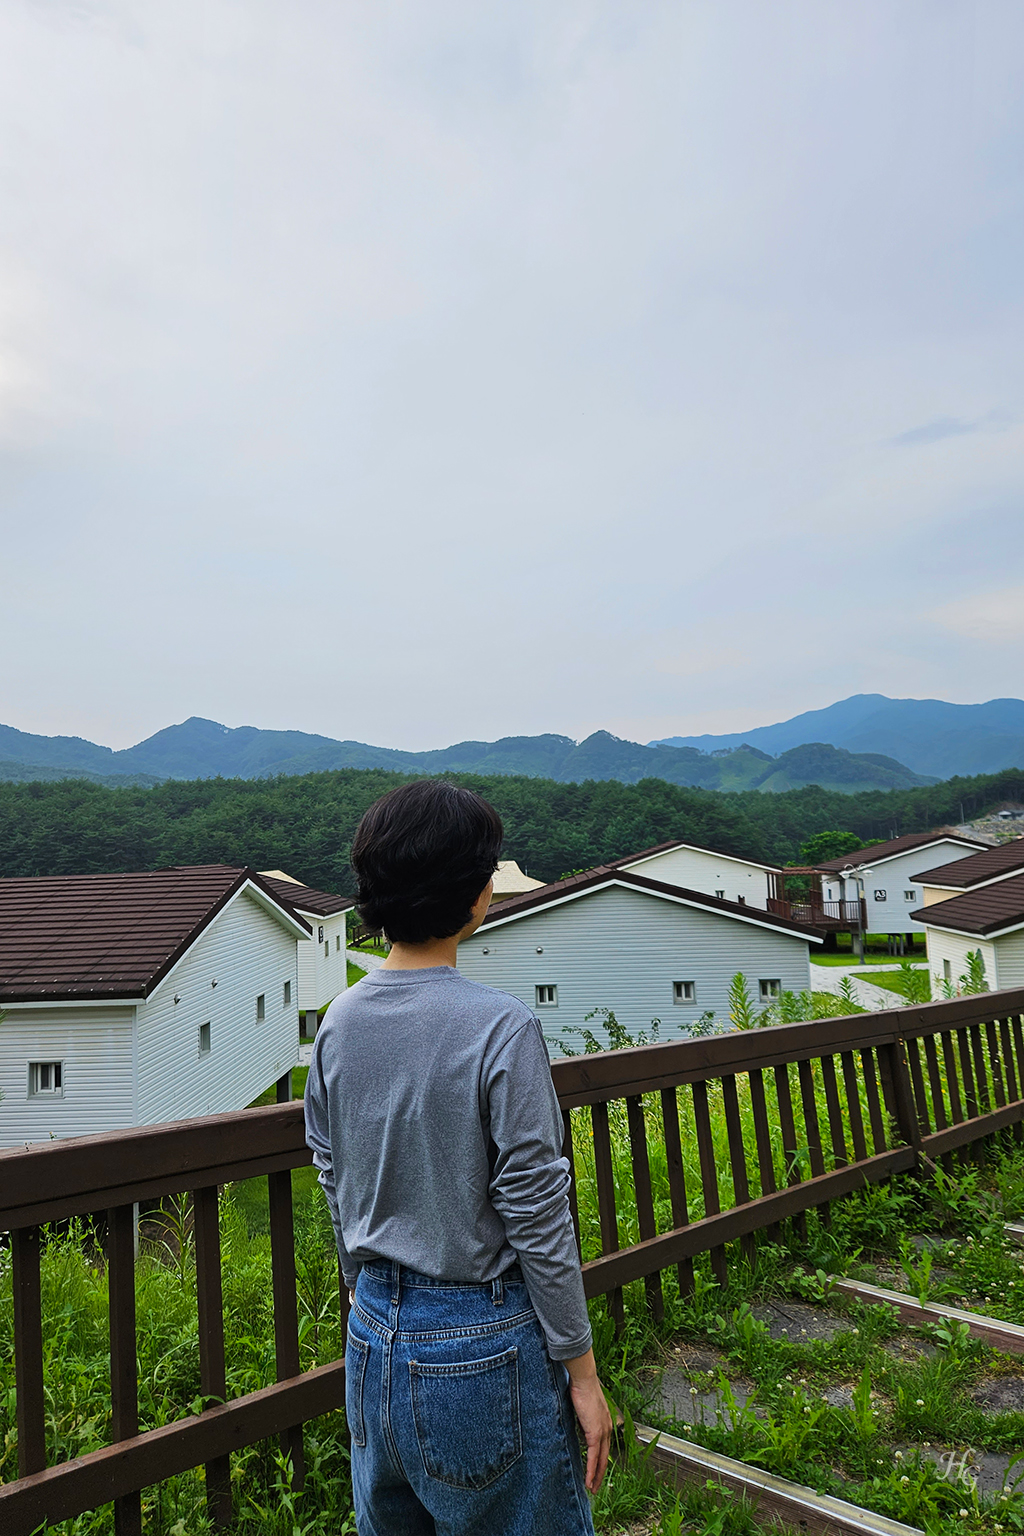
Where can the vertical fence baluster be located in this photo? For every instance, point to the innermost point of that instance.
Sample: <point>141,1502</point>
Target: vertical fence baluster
<point>124,1379</point>
<point>967,1073</point>
<point>931,1057</point>
<point>878,1137</point>
<point>956,1108</point>
<point>737,1153</point>
<point>286,1315</point>
<point>835,1112</point>
<point>852,1086</point>
<point>1018,1042</point>
<point>1013,1093</point>
<point>763,1142</point>
<point>568,1154</point>
<point>896,1074</point>
<point>644,1196</point>
<point>812,1130</point>
<point>787,1124</point>
<point>676,1180</point>
<point>708,1172</point>
<point>980,1074</point>
<point>212,1370</point>
<point>917,1083</point>
<point>28,1351</point>
<point>995,1063</point>
<point>604,1174</point>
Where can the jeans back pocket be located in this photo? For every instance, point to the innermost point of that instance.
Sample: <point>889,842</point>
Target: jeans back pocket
<point>357,1353</point>
<point>467,1418</point>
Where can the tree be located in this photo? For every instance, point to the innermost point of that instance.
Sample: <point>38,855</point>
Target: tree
<point>828,845</point>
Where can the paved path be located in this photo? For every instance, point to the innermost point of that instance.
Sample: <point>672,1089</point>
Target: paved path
<point>365,962</point>
<point>826,978</point>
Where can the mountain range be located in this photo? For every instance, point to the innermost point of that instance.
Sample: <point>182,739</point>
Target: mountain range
<point>200,748</point>
<point>929,735</point>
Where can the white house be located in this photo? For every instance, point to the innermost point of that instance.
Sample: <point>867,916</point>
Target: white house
<point>136,998</point>
<point>647,950</point>
<point>509,880</point>
<point>885,875</point>
<point>989,919</point>
<point>947,880</point>
<point>724,875</point>
<point>322,965</point>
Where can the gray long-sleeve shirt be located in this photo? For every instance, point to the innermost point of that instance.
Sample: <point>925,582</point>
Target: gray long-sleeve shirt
<point>432,1117</point>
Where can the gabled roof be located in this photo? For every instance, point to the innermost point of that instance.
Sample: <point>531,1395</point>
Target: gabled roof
<point>987,911</point>
<point>604,875</point>
<point>877,853</point>
<point>678,842</point>
<point>977,868</point>
<point>303,897</point>
<point>114,936</point>
<point>509,880</point>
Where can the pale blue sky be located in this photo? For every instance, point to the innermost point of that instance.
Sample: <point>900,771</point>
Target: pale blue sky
<point>549,366</point>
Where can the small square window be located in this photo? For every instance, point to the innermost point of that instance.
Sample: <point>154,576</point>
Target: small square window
<point>547,997</point>
<point>881,896</point>
<point>684,991</point>
<point>46,1077</point>
<point>909,895</point>
<point>720,895</point>
<point>287,993</point>
<point>204,1039</point>
<point>261,1008</point>
<point>770,988</point>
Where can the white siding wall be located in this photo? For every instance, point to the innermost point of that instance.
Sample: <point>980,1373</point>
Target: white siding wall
<point>247,952</point>
<point>322,973</point>
<point>1010,959</point>
<point>894,877</point>
<point>622,949</point>
<point>709,873</point>
<point>954,947</point>
<point>95,1046</point>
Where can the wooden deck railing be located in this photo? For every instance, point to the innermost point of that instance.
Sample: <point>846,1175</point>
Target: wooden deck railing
<point>747,1130</point>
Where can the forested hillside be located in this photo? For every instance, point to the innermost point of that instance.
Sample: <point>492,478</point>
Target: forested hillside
<point>305,824</point>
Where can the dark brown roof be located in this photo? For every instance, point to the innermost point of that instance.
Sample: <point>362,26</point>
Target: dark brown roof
<point>109,936</point>
<point>606,874</point>
<point>987,909</point>
<point>977,867</point>
<point>305,899</point>
<point>895,845</point>
<point>682,842</point>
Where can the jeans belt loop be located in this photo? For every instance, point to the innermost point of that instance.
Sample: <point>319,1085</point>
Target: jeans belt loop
<point>498,1291</point>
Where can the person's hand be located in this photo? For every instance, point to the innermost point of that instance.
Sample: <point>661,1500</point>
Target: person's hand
<point>591,1409</point>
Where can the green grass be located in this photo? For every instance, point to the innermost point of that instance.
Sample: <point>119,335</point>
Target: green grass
<point>269,1095</point>
<point>847,957</point>
<point>891,981</point>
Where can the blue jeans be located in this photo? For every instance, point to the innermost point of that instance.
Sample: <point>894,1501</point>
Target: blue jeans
<point>461,1423</point>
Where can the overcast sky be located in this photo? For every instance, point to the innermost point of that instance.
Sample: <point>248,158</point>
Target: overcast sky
<point>415,372</point>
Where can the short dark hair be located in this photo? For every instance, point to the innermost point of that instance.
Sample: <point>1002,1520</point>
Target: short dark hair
<point>422,854</point>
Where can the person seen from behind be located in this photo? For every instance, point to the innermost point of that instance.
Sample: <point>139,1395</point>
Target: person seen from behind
<point>433,1121</point>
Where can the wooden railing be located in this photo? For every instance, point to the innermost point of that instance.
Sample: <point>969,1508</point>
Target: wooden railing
<point>747,1130</point>
<point>817,913</point>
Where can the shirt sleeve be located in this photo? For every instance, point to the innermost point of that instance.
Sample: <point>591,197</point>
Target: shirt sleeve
<point>318,1140</point>
<point>530,1189</point>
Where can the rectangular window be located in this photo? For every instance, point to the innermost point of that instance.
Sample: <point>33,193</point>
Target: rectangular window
<point>770,989</point>
<point>261,1008</point>
<point>947,971</point>
<point>204,1039</point>
<point>327,949</point>
<point>320,933</point>
<point>547,997</point>
<point>684,991</point>
<point>337,941</point>
<point>46,1077</point>
<point>880,896</point>
<point>909,895</point>
<point>287,993</point>
<point>720,895</point>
